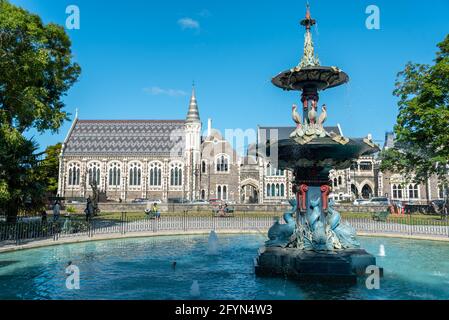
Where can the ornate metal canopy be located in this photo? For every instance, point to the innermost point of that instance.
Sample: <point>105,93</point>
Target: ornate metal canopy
<point>317,77</point>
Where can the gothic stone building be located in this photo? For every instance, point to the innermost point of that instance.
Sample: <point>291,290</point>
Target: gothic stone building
<point>365,180</point>
<point>170,160</point>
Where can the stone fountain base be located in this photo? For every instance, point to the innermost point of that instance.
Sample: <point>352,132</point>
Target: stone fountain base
<point>341,266</point>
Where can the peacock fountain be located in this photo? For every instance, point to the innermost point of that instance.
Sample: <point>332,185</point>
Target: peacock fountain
<point>313,242</point>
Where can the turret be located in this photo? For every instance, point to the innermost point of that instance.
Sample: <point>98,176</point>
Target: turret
<point>193,146</point>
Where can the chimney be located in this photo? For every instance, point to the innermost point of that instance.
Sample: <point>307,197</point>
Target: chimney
<point>209,127</point>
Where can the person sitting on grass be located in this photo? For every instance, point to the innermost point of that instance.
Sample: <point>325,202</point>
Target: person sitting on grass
<point>155,211</point>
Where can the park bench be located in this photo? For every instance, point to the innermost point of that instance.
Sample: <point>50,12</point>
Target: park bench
<point>380,216</point>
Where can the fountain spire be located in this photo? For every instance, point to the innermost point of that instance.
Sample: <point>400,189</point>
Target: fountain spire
<point>308,59</point>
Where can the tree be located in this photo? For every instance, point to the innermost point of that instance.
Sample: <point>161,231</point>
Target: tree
<point>49,168</point>
<point>36,71</point>
<point>422,128</point>
<point>20,186</point>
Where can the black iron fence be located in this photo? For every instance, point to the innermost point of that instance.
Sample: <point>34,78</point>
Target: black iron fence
<point>27,231</point>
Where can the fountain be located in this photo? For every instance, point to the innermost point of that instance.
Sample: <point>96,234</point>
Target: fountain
<point>195,289</point>
<point>381,251</point>
<point>314,242</point>
<point>212,244</point>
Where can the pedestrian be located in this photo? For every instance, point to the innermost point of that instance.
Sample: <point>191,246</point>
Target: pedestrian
<point>44,216</point>
<point>446,210</point>
<point>56,211</point>
<point>89,211</point>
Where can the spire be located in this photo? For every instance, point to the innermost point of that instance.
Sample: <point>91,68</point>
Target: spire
<point>309,59</point>
<point>193,115</point>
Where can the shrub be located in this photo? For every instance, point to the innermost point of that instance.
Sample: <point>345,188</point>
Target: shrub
<point>71,209</point>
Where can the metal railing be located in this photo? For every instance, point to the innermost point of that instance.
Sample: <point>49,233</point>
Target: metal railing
<point>407,226</point>
<point>24,232</point>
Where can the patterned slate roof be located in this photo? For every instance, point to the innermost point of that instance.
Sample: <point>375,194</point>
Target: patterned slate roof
<point>125,137</point>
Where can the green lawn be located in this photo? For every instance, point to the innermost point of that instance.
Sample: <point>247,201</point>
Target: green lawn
<point>415,219</point>
<point>141,215</point>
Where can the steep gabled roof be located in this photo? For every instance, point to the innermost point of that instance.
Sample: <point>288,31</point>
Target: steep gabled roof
<point>126,137</point>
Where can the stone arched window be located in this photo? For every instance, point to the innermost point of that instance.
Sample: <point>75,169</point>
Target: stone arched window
<point>224,193</point>
<point>219,192</point>
<point>340,180</point>
<point>222,162</point>
<point>114,174</point>
<point>203,167</point>
<point>413,191</point>
<point>335,182</point>
<point>135,174</point>
<point>74,174</point>
<point>94,172</point>
<point>203,194</point>
<point>282,190</point>
<point>397,191</point>
<point>176,174</point>
<point>155,174</point>
<point>278,190</point>
<point>268,190</point>
<point>273,190</point>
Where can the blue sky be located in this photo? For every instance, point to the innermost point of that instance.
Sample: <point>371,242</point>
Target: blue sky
<point>139,58</point>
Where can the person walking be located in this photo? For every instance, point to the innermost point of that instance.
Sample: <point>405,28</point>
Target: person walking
<point>56,211</point>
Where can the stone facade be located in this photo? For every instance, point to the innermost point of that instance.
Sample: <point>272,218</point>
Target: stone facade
<point>364,180</point>
<point>169,160</point>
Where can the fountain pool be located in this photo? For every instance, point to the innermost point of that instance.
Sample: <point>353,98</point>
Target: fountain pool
<point>142,269</point>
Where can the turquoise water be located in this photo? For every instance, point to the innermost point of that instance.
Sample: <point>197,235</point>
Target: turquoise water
<point>142,269</point>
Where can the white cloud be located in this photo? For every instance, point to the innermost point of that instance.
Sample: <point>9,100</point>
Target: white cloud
<point>188,23</point>
<point>155,91</point>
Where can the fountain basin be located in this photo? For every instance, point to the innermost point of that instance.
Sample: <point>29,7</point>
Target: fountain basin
<point>321,152</point>
<point>336,266</point>
<point>140,269</point>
